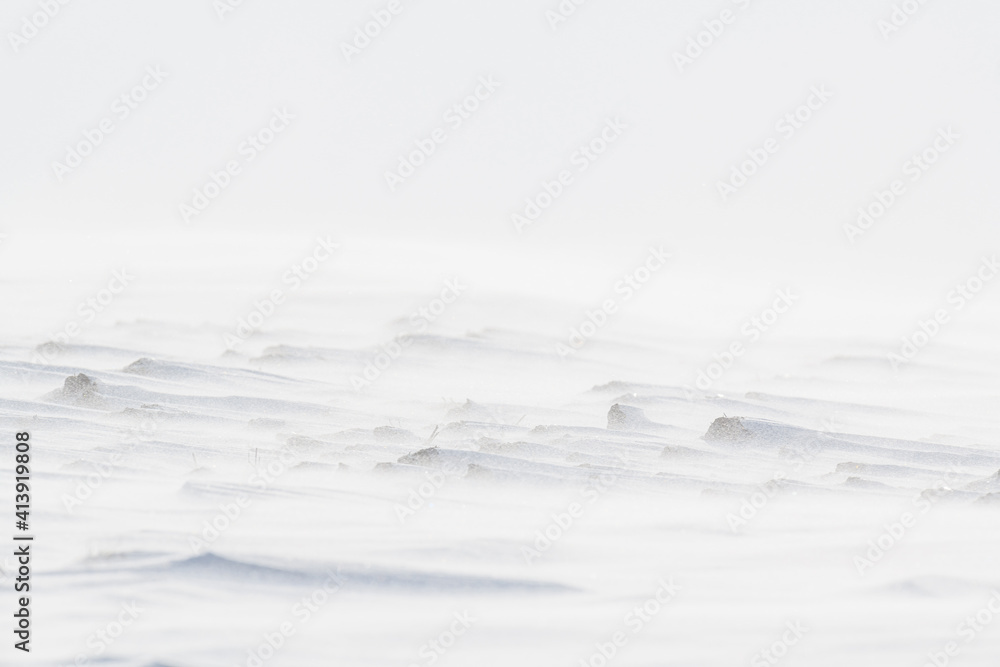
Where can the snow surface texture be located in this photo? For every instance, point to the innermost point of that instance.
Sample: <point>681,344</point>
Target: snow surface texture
<point>393,507</point>
<point>606,367</point>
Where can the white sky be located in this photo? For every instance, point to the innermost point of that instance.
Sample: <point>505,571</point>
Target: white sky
<point>656,184</point>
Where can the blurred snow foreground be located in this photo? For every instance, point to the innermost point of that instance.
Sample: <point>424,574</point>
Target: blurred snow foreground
<point>254,509</point>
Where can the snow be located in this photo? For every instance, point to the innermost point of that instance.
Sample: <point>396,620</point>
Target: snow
<point>424,494</point>
<point>326,421</point>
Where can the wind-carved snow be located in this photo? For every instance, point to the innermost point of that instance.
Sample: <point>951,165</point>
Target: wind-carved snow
<point>538,499</point>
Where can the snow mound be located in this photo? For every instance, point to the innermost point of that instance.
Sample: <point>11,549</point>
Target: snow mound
<point>628,418</point>
<point>727,429</point>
